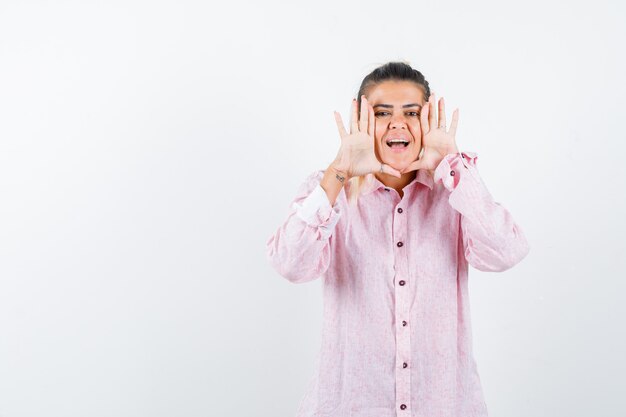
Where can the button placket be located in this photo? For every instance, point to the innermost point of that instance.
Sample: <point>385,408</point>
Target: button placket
<point>402,310</point>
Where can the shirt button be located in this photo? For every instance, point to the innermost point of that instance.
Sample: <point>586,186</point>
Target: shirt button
<point>404,365</point>
<point>452,173</point>
<point>401,282</point>
<point>400,244</point>
<point>402,406</point>
<point>399,209</point>
<point>386,189</point>
<point>403,323</point>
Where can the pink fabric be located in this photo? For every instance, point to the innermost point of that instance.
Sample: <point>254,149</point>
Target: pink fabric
<point>390,349</point>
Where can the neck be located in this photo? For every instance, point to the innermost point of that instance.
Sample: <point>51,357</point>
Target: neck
<point>394,182</point>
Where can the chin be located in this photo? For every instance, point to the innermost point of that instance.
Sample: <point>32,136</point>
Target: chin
<point>398,161</point>
<point>399,165</point>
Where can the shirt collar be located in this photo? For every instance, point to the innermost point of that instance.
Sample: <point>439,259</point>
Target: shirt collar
<point>372,183</point>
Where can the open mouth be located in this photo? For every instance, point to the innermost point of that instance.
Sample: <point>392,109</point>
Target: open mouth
<point>397,143</point>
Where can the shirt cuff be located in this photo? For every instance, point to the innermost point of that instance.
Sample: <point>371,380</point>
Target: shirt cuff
<point>453,166</point>
<point>315,210</point>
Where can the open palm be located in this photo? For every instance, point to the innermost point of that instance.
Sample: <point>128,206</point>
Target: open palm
<point>357,154</point>
<point>437,142</point>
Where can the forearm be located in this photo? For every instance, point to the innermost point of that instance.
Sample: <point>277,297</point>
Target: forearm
<point>492,240</point>
<point>331,184</point>
<point>300,249</point>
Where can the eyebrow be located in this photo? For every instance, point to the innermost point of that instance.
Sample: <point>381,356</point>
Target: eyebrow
<point>389,106</point>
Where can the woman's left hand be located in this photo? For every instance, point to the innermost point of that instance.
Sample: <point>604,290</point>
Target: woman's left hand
<point>436,141</point>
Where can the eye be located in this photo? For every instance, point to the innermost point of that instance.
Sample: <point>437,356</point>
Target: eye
<point>410,113</point>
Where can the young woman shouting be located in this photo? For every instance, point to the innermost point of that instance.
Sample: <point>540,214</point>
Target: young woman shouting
<point>391,226</point>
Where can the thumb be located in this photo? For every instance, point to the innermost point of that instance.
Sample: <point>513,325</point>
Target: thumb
<point>413,166</point>
<point>392,171</point>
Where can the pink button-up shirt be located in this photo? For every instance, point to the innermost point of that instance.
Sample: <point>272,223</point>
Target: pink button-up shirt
<point>396,337</point>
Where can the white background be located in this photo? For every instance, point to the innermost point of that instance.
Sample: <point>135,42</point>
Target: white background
<point>148,150</point>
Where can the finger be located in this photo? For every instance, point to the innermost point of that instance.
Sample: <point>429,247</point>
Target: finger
<point>432,112</point>
<point>413,166</point>
<point>442,113</point>
<point>424,119</point>
<point>392,171</point>
<point>354,127</point>
<point>364,115</point>
<point>371,125</point>
<point>340,127</point>
<point>454,123</point>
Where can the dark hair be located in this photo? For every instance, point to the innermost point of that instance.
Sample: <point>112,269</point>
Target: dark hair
<point>396,71</point>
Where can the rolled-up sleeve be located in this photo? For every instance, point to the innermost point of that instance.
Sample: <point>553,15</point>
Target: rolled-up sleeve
<point>300,249</point>
<point>492,240</point>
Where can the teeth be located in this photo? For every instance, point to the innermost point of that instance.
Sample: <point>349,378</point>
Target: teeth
<point>403,141</point>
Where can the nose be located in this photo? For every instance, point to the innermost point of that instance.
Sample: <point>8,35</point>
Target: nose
<point>398,122</point>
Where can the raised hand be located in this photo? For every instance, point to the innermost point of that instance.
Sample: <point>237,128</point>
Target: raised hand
<point>436,140</point>
<point>356,155</point>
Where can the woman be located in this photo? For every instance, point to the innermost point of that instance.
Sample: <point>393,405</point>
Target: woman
<point>391,226</point>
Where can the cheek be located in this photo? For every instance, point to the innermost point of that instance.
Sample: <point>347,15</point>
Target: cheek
<point>416,130</point>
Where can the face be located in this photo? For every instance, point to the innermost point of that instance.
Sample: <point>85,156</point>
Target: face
<point>397,106</point>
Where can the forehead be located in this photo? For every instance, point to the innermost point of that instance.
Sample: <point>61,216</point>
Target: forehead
<point>395,92</point>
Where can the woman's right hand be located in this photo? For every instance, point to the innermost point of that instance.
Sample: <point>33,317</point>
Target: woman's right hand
<point>356,155</point>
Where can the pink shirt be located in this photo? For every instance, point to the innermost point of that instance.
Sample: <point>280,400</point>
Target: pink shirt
<point>396,337</point>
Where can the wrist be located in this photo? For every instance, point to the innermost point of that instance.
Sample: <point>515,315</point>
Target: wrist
<point>447,151</point>
<point>335,168</point>
<point>339,174</point>
<point>441,154</point>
